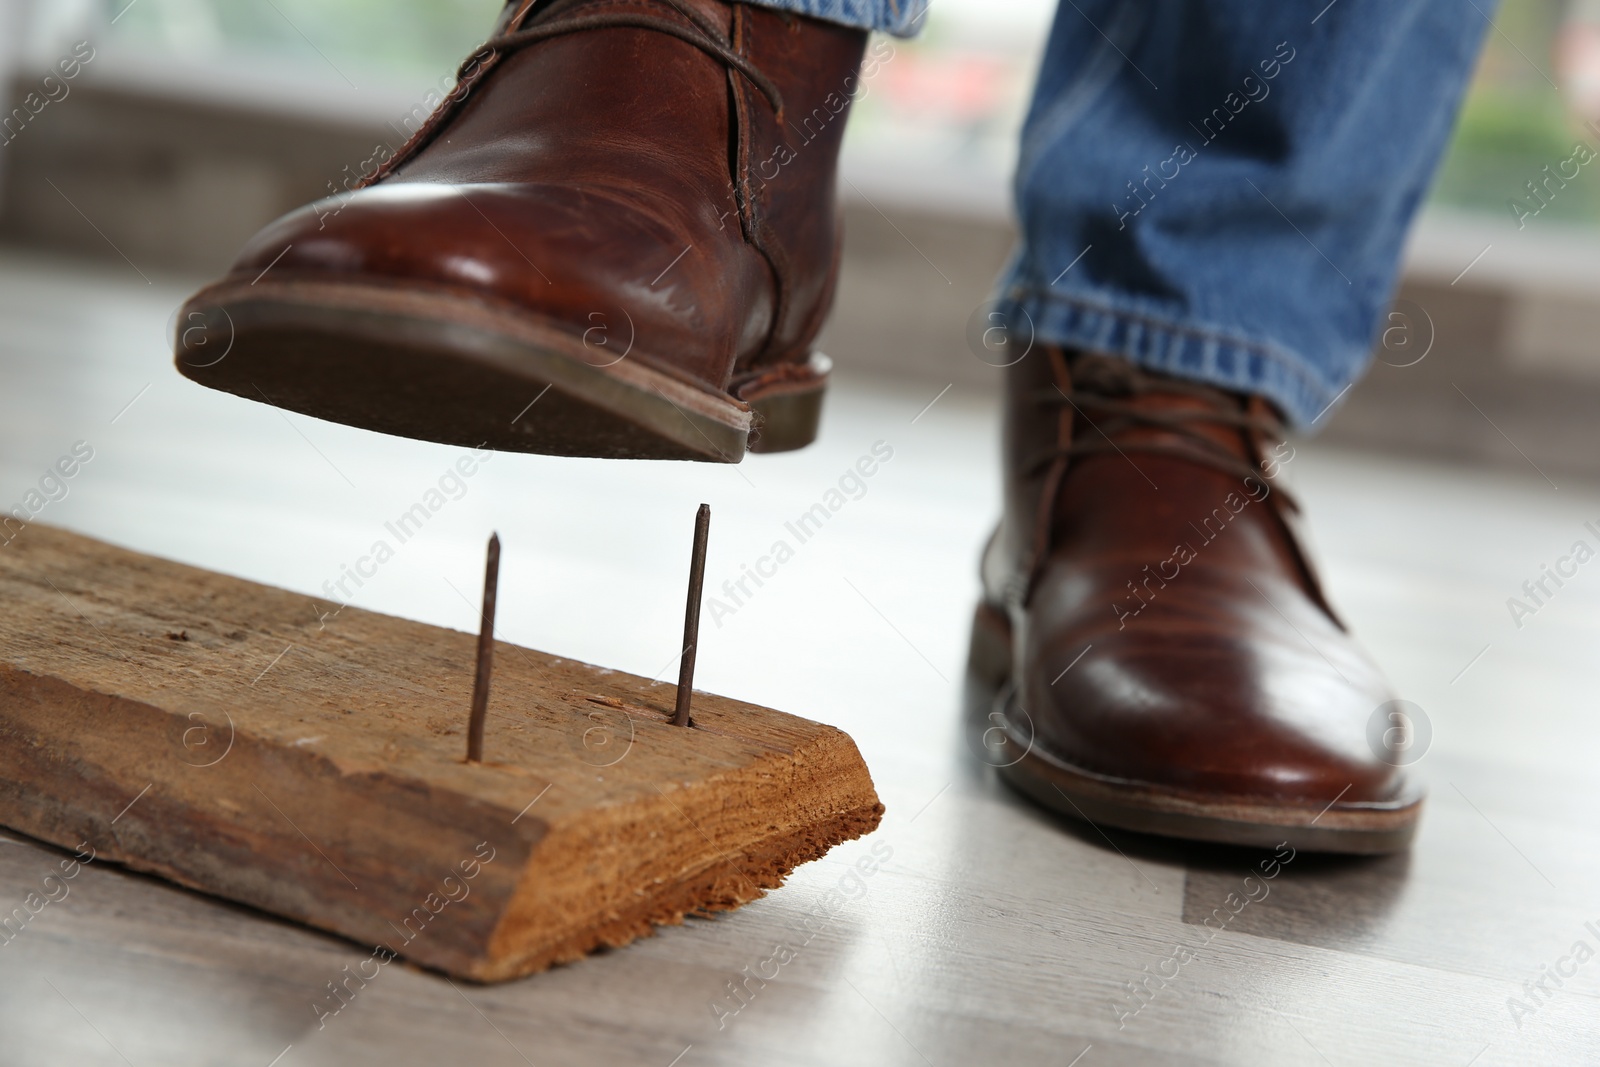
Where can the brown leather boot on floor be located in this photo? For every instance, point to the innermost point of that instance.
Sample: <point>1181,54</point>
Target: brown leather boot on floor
<point>1164,657</point>
<point>617,238</point>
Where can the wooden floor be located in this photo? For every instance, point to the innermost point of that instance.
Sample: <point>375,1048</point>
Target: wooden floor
<point>991,933</point>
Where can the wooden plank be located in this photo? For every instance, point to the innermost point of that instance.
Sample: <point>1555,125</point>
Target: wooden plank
<point>242,740</point>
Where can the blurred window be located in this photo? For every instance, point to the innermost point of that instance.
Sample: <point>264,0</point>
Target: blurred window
<point>941,113</point>
<point>1534,104</point>
<point>386,41</point>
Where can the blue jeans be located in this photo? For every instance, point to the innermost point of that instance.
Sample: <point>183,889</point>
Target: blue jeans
<point>1219,189</point>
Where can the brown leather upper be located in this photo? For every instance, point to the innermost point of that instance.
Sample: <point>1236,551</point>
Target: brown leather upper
<point>668,164</point>
<point>1145,521</point>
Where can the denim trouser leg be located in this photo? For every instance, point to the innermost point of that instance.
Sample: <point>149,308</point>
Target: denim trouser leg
<point>903,18</point>
<point>1220,189</point>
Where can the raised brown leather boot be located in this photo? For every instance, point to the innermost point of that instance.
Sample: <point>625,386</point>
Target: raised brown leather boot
<point>1164,657</point>
<point>617,237</point>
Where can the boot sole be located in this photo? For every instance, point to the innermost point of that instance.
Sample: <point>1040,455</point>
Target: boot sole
<point>436,366</point>
<point>1098,799</point>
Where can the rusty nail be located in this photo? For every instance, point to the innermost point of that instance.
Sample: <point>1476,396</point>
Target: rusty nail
<point>691,614</point>
<point>480,683</point>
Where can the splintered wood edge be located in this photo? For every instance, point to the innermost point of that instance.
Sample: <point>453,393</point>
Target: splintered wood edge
<point>698,820</point>
<point>557,915</point>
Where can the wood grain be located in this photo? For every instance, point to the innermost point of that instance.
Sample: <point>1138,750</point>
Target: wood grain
<point>254,744</point>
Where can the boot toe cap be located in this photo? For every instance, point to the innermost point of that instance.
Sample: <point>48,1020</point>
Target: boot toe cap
<point>1248,705</point>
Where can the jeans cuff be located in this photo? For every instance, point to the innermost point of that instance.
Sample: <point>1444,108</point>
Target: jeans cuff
<point>1160,342</point>
<point>899,18</point>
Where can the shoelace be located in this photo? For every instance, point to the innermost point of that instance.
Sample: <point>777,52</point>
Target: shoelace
<point>701,34</point>
<point>708,39</point>
<point>1100,393</point>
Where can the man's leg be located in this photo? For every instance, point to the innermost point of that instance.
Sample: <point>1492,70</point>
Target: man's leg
<point>1212,196</point>
<point>1237,179</point>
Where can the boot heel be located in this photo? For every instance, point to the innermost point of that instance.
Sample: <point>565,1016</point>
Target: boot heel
<point>988,676</point>
<point>989,652</point>
<point>787,405</point>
